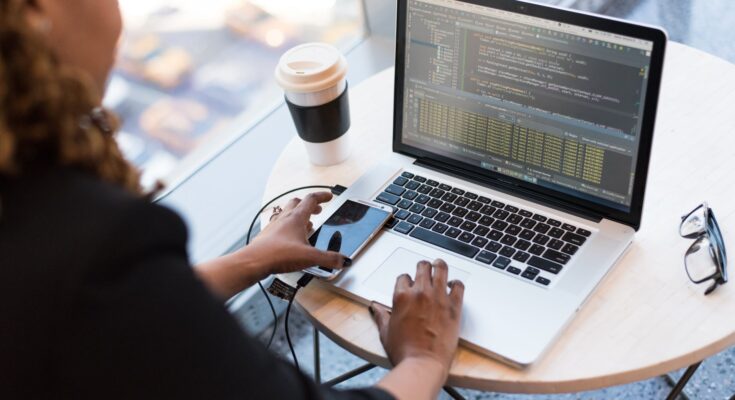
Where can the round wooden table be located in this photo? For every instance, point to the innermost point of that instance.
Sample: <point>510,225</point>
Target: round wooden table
<point>646,318</point>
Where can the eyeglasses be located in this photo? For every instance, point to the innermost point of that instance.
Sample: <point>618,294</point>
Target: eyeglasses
<point>706,258</point>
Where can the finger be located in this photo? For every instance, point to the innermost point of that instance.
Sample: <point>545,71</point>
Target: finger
<point>310,204</point>
<point>403,282</point>
<point>328,259</point>
<point>441,273</point>
<point>456,294</point>
<point>423,274</point>
<point>381,316</point>
<point>293,203</point>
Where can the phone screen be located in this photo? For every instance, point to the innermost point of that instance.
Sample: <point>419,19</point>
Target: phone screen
<point>348,228</point>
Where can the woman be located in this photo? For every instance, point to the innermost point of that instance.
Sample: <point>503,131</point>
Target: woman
<point>97,298</point>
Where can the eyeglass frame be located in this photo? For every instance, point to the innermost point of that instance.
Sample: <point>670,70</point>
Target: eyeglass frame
<point>710,230</point>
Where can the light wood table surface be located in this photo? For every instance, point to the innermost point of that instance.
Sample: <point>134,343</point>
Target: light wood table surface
<point>646,318</point>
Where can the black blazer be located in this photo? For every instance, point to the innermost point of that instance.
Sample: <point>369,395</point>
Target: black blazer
<point>98,300</point>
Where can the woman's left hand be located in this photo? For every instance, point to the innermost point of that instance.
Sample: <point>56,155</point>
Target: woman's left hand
<point>283,245</point>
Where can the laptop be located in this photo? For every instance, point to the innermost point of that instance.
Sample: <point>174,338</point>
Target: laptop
<point>522,138</point>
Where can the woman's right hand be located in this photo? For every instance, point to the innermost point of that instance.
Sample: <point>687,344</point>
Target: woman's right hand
<point>424,321</point>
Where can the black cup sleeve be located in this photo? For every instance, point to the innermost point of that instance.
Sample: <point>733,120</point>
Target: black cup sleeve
<point>324,123</point>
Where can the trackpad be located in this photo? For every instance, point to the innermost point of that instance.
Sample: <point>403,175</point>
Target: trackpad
<point>402,261</point>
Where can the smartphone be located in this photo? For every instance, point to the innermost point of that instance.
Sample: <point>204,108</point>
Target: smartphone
<point>348,231</point>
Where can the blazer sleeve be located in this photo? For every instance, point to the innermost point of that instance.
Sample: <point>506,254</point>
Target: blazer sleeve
<point>143,326</point>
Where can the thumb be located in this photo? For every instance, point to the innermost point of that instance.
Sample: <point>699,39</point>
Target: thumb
<point>330,259</point>
<point>381,316</point>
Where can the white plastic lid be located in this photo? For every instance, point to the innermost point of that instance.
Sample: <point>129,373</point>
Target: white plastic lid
<point>311,67</point>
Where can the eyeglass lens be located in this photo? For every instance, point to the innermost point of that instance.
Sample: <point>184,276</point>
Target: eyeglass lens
<point>700,260</point>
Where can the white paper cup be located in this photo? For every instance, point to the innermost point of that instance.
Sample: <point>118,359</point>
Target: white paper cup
<point>312,76</point>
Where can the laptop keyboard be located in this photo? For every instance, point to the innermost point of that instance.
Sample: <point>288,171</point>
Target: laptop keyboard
<point>487,230</point>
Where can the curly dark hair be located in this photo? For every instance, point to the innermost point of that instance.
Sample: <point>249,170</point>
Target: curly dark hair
<point>43,108</point>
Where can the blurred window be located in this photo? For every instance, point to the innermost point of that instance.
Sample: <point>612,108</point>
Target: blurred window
<point>193,75</point>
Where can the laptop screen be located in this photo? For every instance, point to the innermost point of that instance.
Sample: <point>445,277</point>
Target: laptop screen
<point>549,103</point>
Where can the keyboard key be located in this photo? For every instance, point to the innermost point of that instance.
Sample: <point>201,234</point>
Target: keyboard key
<point>435,203</point>
<point>407,175</point>
<point>528,223</point>
<point>483,200</point>
<point>480,242</point>
<point>488,210</point>
<point>449,197</point>
<point>429,213</point>
<point>437,193</point>
<point>400,181</point>
<point>466,237</point>
<point>444,242</point>
<point>545,265</point>
<point>425,189</point>
<point>536,249</point>
<point>584,232</point>
<point>514,219</point>
<point>415,219</point>
<point>542,228</point>
<point>403,227</point>
<point>427,223</point>
<point>555,244</point>
<point>543,281</point>
<point>502,262</point>
<point>570,249</point>
<point>447,207</point>
<point>511,208</point>
<point>498,204</point>
<point>442,217</point>
<point>468,226</point>
<point>495,235</point>
<point>453,232</point>
<point>485,257</point>
<point>388,198</point>
<point>500,225</point>
<point>470,196</point>
<point>554,223</point>
<point>527,234</point>
<point>522,245</point>
<point>556,233</point>
<point>417,208</point>
<point>494,247</point>
<point>574,238</point>
<point>473,216</point>
<point>460,212</point>
<point>509,240</point>
<point>440,228</point>
<point>458,191</point>
<point>555,256</point>
<point>528,275</point>
<point>486,221</point>
<point>402,214</point>
<point>521,256</point>
<point>432,183</point>
<point>455,221</point>
<point>507,251</point>
<point>444,187</point>
<point>481,230</point>
<point>539,218</point>
<point>514,270</point>
<point>525,213</point>
<point>541,239</point>
<point>405,204</point>
<point>413,185</point>
<point>474,205</point>
<point>410,195</point>
<point>422,199</point>
<point>462,201</point>
<point>418,178</point>
<point>570,228</point>
<point>514,230</point>
<point>501,214</point>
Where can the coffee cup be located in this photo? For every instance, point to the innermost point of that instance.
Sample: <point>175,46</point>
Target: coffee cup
<point>313,77</point>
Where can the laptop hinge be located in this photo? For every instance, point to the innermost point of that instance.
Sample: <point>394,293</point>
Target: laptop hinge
<point>508,188</point>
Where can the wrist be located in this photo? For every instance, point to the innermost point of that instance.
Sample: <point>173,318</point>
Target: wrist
<point>429,365</point>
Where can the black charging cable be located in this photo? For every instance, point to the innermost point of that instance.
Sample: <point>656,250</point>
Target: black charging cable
<point>304,280</point>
